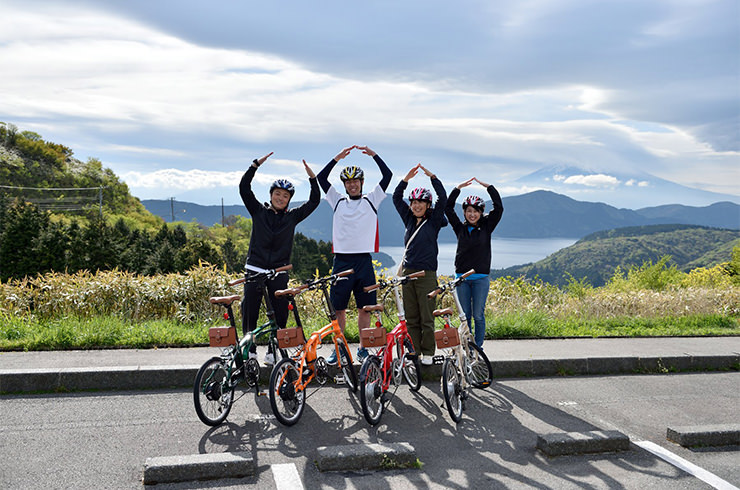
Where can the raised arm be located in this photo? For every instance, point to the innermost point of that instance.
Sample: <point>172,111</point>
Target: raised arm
<point>498,207</point>
<point>441,203</point>
<point>399,203</point>
<point>314,198</point>
<point>450,209</point>
<point>245,186</point>
<point>385,172</point>
<point>324,173</point>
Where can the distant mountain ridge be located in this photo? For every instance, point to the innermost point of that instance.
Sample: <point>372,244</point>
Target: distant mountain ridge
<point>636,187</point>
<point>597,256</point>
<point>538,214</point>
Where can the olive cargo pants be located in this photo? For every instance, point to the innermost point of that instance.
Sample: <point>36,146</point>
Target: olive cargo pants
<point>419,310</point>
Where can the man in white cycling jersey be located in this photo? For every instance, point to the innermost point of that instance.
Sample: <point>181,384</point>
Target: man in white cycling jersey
<point>354,236</point>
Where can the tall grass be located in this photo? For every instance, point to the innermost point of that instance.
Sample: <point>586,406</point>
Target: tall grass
<point>115,308</point>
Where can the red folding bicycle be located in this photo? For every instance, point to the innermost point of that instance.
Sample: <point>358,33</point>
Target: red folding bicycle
<point>381,368</point>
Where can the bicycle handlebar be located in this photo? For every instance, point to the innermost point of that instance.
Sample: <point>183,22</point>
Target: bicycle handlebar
<point>395,281</point>
<point>450,284</point>
<point>268,273</point>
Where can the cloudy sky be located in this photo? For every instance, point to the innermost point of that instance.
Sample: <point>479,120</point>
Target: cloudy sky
<point>177,97</point>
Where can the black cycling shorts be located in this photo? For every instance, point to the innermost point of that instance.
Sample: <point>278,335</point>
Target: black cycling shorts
<point>364,276</point>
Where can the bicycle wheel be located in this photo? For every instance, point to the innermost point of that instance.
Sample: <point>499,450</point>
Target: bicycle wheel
<point>452,389</point>
<point>348,369</point>
<point>371,390</point>
<point>411,366</point>
<point>287,403</point>
<point>212,392</point>
<point>479,370</point>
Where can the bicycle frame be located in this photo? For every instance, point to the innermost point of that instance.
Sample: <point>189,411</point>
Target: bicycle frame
<point>240,351</point>
<point>306,356</point>
<point>400,332</point>
<point>463,330</point>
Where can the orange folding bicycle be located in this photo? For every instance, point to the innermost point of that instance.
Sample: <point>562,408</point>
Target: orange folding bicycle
<point>290,377</point>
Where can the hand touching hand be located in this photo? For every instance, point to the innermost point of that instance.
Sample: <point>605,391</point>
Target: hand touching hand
<point>427,172</point>
<point>366,150</point>
<point>412,173</point>
<point>466,183</point>
<point>342,154</point>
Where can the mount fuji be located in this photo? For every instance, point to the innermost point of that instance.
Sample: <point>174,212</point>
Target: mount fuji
<point>632,190</point>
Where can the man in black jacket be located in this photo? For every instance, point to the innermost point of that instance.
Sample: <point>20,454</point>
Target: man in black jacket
<point>273,227</point>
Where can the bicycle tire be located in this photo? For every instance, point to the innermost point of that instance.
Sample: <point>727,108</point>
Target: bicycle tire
<point>286,403</point>
<point>411,366</point>
<point>213,393</point>
<point>452,389</point>
<point>479,370</point>
<point>371,390</point>
<point>348,369</point>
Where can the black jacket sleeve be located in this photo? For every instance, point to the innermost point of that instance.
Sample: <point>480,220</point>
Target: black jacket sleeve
<point>498,209</point>
<point>385,180</point>
<point>450,210</point>
<point>439,207</point>
<point>245,190</point>
<point>314,199</point>
<point>399,203</point>
<point>323,176</point>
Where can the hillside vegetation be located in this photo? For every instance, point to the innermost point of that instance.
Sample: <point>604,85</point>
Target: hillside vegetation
<point>59,214</point>
<point>596,257</point>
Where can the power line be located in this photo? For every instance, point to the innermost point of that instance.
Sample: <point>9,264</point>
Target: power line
<point>62,201</point>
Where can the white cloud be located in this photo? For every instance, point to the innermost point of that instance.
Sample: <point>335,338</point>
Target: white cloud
<point>593,180</point>
<point>187,180</point>
<point>166,94</point>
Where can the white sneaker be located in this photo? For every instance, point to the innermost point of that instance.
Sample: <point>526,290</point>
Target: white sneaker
<point>269,358</point>
<point>252,355</point>
<point>427,360</point>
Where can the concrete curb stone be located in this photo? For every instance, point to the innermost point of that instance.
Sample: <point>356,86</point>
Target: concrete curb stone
<point>365,457</point>
<point>705,435</point>
<point>180,376</point>
<point>191,467</point>
<point>567,443</point>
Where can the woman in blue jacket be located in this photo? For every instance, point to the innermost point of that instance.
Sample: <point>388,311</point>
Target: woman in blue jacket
<point>474,251</point>
<point>422,223</point>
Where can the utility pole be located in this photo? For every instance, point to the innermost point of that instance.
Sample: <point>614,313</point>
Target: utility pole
<point>223,220</point>
<point>172,208</point>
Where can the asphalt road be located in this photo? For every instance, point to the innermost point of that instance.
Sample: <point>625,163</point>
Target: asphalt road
<point>101,440</point>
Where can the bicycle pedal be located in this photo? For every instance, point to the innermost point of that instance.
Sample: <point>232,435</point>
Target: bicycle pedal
<point>339,379</point>
<point>437,360</point>
<point>262,393</point>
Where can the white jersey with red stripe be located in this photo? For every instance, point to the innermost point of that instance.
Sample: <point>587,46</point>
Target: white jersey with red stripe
<point>355,221</point>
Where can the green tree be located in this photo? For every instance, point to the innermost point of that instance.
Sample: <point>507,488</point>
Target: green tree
<point>23,224</point>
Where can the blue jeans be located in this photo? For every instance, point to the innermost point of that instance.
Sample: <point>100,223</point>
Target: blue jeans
<point>472,296</point>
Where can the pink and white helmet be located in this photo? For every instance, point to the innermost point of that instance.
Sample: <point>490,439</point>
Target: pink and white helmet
<point>421,194</point>
<point>474,201</point>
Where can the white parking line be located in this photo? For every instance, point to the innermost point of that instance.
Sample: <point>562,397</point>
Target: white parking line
<point>686,466</point>
<point>286,476</point>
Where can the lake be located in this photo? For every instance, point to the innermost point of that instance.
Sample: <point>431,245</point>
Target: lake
<point>505,252</point>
